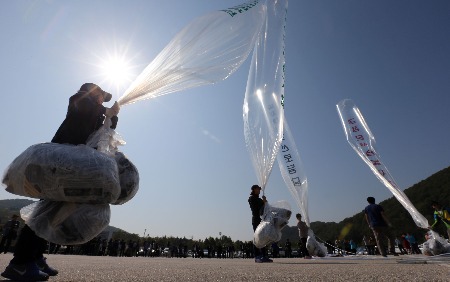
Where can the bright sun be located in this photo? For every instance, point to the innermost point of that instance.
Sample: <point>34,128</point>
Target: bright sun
<point>116,70</point>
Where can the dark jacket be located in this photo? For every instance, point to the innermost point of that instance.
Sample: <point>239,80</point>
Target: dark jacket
<point>84,116</point>
<point>256,205</point>
<point>374,215</point>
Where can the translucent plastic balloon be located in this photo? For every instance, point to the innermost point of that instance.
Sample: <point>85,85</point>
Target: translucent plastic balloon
<point>291,168</point>
<point>362,141</point>
<point>207,50</point>
<point>262,111</point>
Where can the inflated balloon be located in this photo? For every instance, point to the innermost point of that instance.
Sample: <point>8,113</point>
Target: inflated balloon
<point>362,141</point>
<point>262,110</point>
<point>292,171</point>
<point>206,51</point>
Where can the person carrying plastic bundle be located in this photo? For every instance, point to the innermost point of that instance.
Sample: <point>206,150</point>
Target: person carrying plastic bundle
<point>441,214</point>
<point>303,233</point>
<point>86,109</point>
<point>257,207</point>
<point>85,114</point>
<point>379,224</point>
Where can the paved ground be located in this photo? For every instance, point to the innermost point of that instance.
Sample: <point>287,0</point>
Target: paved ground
<point>363,268</point>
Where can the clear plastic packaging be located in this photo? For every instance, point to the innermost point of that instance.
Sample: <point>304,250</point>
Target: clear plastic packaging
<point>129,179</point>
<point>61,172</point>
<point>315,248</point>
<point>66,223</point>
<point>106,139</point>
<point>435,244</point>
<point>275,217</point>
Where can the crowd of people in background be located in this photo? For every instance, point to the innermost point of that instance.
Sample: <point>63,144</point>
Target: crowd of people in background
<point>224,247</point>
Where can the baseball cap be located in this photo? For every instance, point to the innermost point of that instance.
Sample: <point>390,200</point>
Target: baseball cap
<point>94,89</point>
<point>255,187</point>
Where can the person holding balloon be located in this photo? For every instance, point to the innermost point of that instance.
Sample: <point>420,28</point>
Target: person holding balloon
<point>257,207</point>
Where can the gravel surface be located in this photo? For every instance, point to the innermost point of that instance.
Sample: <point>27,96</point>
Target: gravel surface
<point>351,268</point>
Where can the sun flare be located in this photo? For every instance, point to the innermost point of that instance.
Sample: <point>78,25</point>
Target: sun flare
<point>116,70</point>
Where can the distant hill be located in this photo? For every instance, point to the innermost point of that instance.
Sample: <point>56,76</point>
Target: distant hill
<point>10,207</point>
<point>13,206</point>
<point>434,188</point>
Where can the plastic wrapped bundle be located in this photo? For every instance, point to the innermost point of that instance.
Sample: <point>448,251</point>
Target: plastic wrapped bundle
<point>315,248</point>
<point>273,220</point>
<point>61,172</point>
<point>266,233</point>
<point>435,245</point>
<point>105,139</point>
<point>129,179</point>
<point>66,223</point>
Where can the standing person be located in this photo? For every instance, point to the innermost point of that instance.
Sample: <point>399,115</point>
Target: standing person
<point>371,246</point>
<point>257,207</point>
<point>85,114</point>
<point>287,248</point>
<point>9,233</point>
<point>406,244</point>
<point>353,246</point>
<point>379,224</point>
<point>443,214</point>
<point>337,244</point>
<point>303,234</point>
<point>413,242</point>
<point>399,244</point>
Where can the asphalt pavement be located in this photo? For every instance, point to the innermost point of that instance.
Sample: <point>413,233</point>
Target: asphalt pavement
<point>350,268</point>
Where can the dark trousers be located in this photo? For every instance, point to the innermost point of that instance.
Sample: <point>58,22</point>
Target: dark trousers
<point>303,248</point>
<point>258,252</point>
<point>29,247</point>
<point>381,233</point>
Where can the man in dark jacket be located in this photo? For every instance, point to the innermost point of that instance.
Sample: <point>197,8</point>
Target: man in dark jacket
<point>85,114</point>
<point>257,208</point>
<point>379,224</point>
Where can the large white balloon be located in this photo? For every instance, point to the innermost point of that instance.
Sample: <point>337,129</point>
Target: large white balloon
<point>362,141</point>
<point>207,50</point>
<point>291,167</point>
<point>262,111</point>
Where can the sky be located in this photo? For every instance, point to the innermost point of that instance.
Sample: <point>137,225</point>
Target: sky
<point>390,57</point>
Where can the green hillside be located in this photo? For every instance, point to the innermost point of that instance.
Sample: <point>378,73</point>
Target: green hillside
<point>10,207</point>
